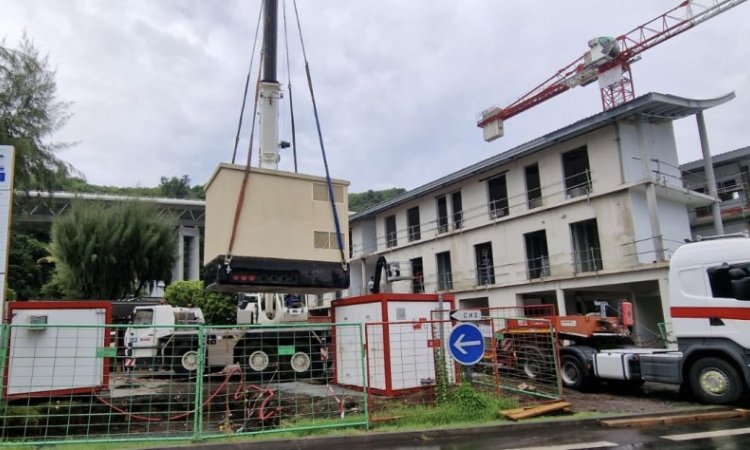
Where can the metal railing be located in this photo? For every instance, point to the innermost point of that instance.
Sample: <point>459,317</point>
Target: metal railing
<point>538,267</point>
<point>589,260</point>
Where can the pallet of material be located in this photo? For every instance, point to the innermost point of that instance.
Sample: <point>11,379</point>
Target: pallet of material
<point>533,411</point>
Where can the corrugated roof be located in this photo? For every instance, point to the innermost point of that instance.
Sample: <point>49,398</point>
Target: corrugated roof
<point>743,152</point>
<point>653,105</point>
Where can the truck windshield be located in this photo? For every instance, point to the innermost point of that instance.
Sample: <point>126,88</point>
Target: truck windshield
<point>143,317</point>
<point>185,318</point>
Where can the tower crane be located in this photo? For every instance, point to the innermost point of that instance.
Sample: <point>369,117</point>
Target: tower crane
<point>608,61</point>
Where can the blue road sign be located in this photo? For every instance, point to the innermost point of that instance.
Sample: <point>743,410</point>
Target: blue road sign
<point>466,344</point>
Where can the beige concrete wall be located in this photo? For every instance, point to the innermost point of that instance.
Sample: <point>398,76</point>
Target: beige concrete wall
<point>281,213</point>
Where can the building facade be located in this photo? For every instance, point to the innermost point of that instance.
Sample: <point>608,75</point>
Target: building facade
<point>732,174</point>
<point>586,213</point>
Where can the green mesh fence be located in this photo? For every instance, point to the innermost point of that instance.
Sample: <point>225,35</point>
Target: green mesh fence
<point>72,384</point>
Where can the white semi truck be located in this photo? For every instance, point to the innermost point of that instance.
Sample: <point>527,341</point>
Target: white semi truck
<point>709,300</point>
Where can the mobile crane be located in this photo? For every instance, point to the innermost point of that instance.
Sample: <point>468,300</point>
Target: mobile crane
<point>270,289</point>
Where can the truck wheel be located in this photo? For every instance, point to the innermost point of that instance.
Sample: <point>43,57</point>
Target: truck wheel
<point>572,372</point>
<point>301,364</point>
<point>715,381</point>
<point>532,361</point>
<point>258,361</point>
<point>185,360</point>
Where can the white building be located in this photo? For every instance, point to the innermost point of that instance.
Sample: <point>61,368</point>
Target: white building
<point>590,211</point>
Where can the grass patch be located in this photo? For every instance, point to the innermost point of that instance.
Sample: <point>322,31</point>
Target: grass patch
<point>463,405</point>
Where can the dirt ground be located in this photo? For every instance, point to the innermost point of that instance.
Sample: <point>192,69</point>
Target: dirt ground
<point>651,398</point>
<point>607,399</point>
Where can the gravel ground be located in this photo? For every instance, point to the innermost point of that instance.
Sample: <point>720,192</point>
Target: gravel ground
<point>651,398</point>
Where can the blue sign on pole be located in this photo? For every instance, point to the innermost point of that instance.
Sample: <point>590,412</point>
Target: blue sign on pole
<point>466,344</point>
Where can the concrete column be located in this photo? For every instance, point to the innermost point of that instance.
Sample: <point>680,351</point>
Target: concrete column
<point>708,167</point>
<point>651,201</point>
<point>560,295</point>
<point>194,253</point>
<point>178,274</point>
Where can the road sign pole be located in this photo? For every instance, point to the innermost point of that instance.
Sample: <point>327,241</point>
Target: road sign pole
<point>467,375</point>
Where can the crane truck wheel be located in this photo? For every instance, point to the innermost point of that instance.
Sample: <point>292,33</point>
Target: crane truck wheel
<point>715,381</point>
<point>258,361</point>
<point>573,372</point>
<point>301,363</point>
<point>185,360</point>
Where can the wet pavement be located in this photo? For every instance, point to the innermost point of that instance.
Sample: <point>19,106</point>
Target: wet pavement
<point>717,434</point>
<point>729,434</point>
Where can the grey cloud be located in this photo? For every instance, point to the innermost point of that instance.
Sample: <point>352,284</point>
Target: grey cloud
<point>157,85</point>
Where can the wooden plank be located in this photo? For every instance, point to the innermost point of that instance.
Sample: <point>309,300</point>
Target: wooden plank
<point>674,418</point>
<point>538,410</point>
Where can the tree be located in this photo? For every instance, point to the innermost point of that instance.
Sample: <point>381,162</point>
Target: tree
<point>29,114</point>
<point>180,188</point>
<point>27,267</point>
<point>359,202</point>
<point>175,187</point>
<point>218,309</point>
<point>111,252</point>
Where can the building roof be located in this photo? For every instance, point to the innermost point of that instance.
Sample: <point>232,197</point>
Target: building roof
<point>653,106</point>
<point>112,198</point>
<point>697,165</point>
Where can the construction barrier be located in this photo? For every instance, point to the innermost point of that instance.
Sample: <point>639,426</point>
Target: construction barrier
<point>111,383</point>
<point>521,358</point>
<point>72,384</point>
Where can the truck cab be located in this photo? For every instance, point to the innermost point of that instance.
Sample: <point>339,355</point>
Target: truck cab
<point>152,323</point>
<point>709,299</point>
<point>709,284</point>
<point>270,308</point>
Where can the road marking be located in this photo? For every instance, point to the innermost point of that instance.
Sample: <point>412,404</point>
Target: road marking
<point>576,446</point>
<point>706,434</point>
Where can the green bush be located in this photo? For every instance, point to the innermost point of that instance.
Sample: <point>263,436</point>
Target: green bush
<point>218,309</point>
<point>184,293</point>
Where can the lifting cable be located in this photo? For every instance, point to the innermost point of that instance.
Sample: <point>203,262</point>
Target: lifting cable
<point>247,83</point>
<point>241,197</point>
<point>331,198</point>
<point>289,88</point>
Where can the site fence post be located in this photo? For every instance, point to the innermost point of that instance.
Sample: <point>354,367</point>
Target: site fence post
<point>198,416</point>
<point>365,371</point>
<point>556,354</point>
<point>4,344</point>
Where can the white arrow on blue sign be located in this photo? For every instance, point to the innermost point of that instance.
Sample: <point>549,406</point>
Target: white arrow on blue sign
<point>466,344</point>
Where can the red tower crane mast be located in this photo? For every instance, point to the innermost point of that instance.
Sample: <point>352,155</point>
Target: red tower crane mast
<point>608,61</point>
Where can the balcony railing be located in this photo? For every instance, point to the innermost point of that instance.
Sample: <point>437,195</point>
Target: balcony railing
<point>538,267</point>
<point>589,260</point>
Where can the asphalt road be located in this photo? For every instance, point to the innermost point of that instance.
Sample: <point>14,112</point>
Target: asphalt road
<point>729,434</point>
<point>716,434</point>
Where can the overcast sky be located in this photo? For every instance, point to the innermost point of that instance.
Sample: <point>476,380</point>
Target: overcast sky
<point>156,85</point>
